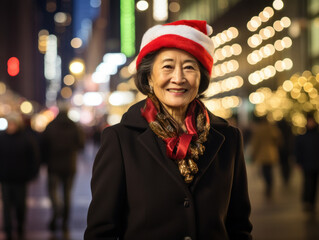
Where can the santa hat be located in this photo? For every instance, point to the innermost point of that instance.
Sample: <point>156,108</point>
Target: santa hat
<point>189,35</point>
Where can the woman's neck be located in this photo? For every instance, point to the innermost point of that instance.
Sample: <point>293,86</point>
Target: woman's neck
<point>178,114</point>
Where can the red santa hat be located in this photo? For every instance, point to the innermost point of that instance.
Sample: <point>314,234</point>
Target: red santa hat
<point>189,35</point>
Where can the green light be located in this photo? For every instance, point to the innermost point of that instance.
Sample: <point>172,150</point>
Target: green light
<point>128,27</point>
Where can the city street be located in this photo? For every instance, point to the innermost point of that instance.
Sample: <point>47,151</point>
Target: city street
<point>279,218</point>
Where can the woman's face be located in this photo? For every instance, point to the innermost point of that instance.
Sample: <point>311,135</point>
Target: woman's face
<point>175,79</point>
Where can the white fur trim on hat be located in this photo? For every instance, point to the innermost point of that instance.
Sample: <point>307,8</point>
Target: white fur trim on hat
<point>183,31</point>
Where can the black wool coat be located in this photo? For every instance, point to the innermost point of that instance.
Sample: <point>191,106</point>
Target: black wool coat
<point>139,194</point>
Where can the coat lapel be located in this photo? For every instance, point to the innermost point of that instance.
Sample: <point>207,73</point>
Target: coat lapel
<point>157,149</point>
<point>214,142</point>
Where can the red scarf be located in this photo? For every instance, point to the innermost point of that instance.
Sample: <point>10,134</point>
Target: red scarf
<point>177,146</point>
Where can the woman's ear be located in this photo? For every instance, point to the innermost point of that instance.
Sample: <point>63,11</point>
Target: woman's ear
<point>150,83</point>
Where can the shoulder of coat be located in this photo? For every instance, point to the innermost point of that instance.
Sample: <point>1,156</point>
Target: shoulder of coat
<point>133,117</point>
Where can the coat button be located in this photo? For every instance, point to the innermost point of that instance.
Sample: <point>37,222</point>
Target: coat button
<point>187,238</point>
<point>186,203</point>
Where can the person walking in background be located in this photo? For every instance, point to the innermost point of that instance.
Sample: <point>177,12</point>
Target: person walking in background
<point>62,139</point>
<point>307,156</point>
<point>265,142</point>
<point>19,164</point>
<point>171,169</point>
<point>286,151</point>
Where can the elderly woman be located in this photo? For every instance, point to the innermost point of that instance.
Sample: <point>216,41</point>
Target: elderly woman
<point>170,169</point>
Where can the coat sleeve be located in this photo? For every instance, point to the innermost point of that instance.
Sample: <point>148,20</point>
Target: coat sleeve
<point>108,190</point>
<point>238,224</point>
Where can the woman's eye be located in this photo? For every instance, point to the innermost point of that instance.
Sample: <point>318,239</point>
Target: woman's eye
<point>167,66</point>
<point>189,67</point>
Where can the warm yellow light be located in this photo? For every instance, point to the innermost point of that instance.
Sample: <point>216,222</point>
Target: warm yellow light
<point>269,50</point>
<point>307,87</point>
<point>278,4</point>
<point>237,49</point>
<point>287,85</point>
<point>230,66</point>
<point>260,110</point>
<point>302,80</point>
<point>272,70</point>
<point>255,22</point>
<point>307,106</point>
<point>216,70</point>
<point>174,7</point>
<point>268,12</point>
<point>214,88</point>
<point>234,32</point>
<point>26,107</point>
<point>278,45</point>
<point>224,37</point>
<point>267,72</point>
<point>288,63</point>
<point>223,67</point>
<point>277,114</point>
<point>287,42</point>
<point>278,26</point>
<point>298,119</point>
<point>224,52</point>
<point>256,97</point>
<point>256,40</point>
<point>68,80</point>
<point>60,17</point>
<point>302,98</point>
<point>254,78</point>
<point>76,67</point>
<point>279,66</point>
<point>76,42</point>
<point>250,27</point>
<point>295,93</point>
<point>262,17</point>
<point>66,92</point>
<point>218,40</point>
<point>286,22</point>
<point>42,40</point>
<point>3,88</point>
<point>313,93</point>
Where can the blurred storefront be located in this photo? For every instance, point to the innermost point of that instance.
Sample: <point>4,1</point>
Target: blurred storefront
<point>261,48</point>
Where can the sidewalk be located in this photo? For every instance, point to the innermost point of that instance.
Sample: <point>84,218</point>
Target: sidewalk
<point>281,217</point>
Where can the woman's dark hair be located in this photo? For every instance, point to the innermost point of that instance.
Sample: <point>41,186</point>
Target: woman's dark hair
<point>145,68</point>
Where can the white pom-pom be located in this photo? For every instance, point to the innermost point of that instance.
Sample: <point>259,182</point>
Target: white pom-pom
<point>209,30</point>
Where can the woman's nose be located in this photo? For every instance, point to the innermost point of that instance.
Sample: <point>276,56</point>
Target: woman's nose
<point>178,76</point>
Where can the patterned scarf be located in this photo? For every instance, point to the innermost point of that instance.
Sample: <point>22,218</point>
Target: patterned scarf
<point>184,148</point>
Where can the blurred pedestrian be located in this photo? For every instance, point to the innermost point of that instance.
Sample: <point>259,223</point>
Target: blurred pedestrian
<point>171,169</point>
<point>265,142</point>
<point>307,156</point>
<point>286,151</point>
<point>19,164</point>
<point>61,141</point>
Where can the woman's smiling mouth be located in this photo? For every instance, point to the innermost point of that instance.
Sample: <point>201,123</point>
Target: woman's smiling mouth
<point>177,90</point>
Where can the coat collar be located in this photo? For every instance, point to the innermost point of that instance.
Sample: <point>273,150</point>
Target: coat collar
<point>133,119</point>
